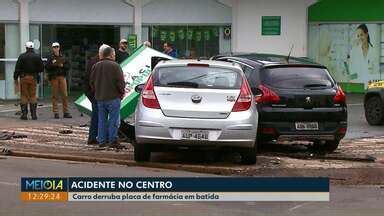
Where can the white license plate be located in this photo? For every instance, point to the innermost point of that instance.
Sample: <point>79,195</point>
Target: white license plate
<point>307,126</point>
<point>194,134</point>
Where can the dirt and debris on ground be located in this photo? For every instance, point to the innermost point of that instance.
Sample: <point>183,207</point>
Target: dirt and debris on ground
<point>6,135</point>
<point>357,161</point>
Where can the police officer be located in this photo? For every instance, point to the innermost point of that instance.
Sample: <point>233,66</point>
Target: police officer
<point>57,68</point>
<point>28,68</point>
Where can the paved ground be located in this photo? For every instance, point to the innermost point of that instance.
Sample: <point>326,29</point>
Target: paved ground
<point>357,125</point>
<point>364,155</point>
<point>345,200</point>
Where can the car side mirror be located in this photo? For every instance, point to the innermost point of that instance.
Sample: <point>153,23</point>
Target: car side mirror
<point>139,88</point>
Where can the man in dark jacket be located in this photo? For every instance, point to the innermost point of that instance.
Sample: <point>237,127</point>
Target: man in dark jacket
<point>107,81</point>
<point>92,135</point>
<point>122,52</point>
<point>57,68</point>
<point>169,50</point>
<point>28,67</point>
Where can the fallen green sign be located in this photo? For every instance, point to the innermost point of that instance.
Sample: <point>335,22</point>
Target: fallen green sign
<point>136,70</point>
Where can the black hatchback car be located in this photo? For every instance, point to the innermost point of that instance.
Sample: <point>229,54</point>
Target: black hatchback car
<point>296,99</point>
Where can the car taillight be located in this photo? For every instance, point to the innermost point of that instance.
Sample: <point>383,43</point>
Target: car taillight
<point>197,65</point>
<point>267,95</point>
<point>268,131</point>
<point>339,98</point>
<point>148,95</point>
<point>244,100</point>
<point>342,130</point>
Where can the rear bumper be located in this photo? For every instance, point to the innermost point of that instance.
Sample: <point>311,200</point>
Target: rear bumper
<point>237,130</point>
<point>241,143</point>
<point>287,131</point>
<point>281,123</point>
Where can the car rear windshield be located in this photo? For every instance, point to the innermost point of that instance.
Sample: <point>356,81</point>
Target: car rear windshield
<point>297,78</point>
<point>197,77</point>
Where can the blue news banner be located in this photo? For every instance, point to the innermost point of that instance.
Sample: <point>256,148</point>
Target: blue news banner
<point>59,189</point>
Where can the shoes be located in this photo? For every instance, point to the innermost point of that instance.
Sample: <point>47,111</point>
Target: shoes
<point>92,142</point>
<point>56,116</point>
<point>67,115</point>
<point>24,111</point>
<point>103,145</point>
<point>33,107</point>
<point>116,145</point>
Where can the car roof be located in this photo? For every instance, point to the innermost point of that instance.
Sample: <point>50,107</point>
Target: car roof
<point>271,60</point>
<point>185,62</point>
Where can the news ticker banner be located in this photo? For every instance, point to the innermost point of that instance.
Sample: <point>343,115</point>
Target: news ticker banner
<point>60,189</point>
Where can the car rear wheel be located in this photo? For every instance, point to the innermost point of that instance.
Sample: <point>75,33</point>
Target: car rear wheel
<point>248,155</point>
<point>142,152</point>
<point>374,111</point>
<point>326,146</point>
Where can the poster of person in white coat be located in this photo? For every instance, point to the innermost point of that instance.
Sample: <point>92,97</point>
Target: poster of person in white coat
<point>363,59</point>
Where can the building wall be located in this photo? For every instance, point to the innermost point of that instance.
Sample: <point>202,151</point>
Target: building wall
<point>186,12</point>
<point>81,12</point>
<point>293,26</point>
<point>9,11</point>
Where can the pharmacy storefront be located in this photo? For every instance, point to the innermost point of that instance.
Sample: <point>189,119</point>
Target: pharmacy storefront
<point>198,28</point>
<point>80,28</point>
<point>349,40</point>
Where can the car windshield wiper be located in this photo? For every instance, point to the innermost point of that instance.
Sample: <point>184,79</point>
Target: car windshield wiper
<point>183,84</point>
<point>206,75</point>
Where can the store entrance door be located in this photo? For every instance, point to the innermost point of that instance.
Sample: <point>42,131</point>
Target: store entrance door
<point>78,44</point>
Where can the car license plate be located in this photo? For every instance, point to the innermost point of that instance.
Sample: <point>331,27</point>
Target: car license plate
<point>194,134</point>
<point>307,126</point>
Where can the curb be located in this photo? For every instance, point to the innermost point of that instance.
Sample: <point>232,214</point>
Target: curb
<point>339,177</point>
<point>191,168</point>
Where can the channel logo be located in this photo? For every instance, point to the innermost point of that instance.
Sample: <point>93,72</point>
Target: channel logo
<point>44,184</point>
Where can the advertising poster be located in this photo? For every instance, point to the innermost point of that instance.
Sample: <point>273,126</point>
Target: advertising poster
<point>351,52</point>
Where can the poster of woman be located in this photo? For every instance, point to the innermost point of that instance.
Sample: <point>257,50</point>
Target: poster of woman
<point>363,58</point>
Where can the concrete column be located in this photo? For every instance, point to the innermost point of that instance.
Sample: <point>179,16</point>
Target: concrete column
<point>138,17</point>
<point>234,4</point>
<point>23,22</point>
<point>234,27</point>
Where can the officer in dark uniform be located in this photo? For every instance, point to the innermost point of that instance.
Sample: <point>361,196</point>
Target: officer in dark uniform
<point>57,68</point>
<point>28,68</point>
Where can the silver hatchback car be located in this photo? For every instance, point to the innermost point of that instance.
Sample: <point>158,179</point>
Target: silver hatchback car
<point>196,103</point>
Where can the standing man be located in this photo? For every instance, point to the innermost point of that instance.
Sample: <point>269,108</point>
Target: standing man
<point>28,67</point>
<point>122,52</point>
<point>107,81</point>
<point>92,135</point>
<point>169,50</point>
<point>57,68</point>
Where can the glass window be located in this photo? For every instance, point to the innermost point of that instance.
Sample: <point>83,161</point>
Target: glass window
<point>197,77</point>
<point>297,77</point>
<point>78,43</point>
<point>189,41</point>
